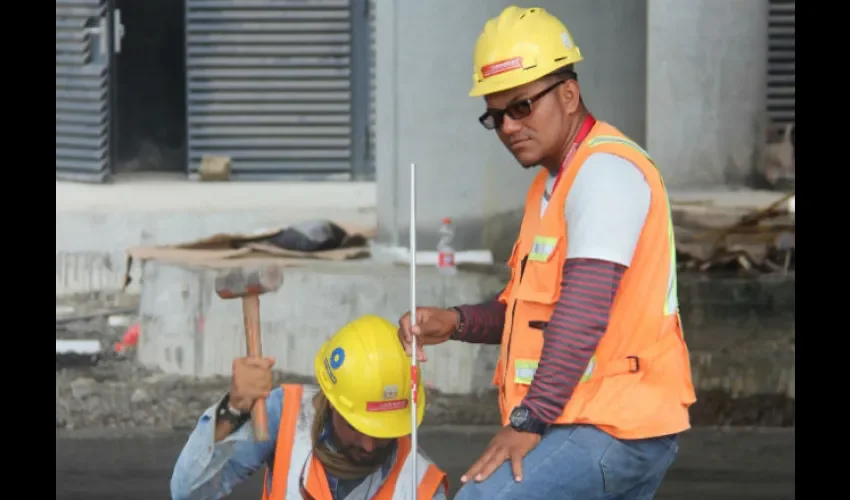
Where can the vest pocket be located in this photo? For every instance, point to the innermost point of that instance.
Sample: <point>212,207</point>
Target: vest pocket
<point>541,280</point>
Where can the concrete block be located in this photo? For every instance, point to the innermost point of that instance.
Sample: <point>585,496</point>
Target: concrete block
<point>187,329</point>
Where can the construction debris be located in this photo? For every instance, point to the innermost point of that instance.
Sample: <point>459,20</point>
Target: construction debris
<point>779,170</point>
<point>762,241</point>
<point>215,168</point>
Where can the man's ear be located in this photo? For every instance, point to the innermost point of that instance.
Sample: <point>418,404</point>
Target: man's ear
<point>570,95</point>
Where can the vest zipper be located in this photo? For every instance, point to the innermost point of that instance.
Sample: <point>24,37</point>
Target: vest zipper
<point>511,330</point>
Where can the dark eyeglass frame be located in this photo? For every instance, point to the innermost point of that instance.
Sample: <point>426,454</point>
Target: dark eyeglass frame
<point>494,118</point>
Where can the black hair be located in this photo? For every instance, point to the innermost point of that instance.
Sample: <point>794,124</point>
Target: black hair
<point>566,73</point>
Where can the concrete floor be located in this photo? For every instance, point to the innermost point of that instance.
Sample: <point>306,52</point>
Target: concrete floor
<point>712,465</point>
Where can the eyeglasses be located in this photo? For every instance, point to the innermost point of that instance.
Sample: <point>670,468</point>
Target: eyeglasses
<point>494,118</point>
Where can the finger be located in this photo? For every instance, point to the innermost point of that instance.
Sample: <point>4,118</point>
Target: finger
<point>476,467</point>
<point>516,466</point>
<point>270,361</point>
<point>405,343</point>
<point>420,354</point>
<point>268,381</point>
<point>473,469</point>
<point>260,385</point>
<point>488,467</point>
<point>256,363</point>
<point>404,327</point>
<point>421,316</point>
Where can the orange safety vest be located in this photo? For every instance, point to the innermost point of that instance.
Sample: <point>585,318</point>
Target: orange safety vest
<point>638,383</point>
<point>297,474</point>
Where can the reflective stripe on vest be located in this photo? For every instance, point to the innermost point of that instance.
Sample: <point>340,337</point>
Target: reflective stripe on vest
<point>298,474</point>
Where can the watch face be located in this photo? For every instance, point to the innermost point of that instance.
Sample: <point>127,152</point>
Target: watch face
<point>519,416</point>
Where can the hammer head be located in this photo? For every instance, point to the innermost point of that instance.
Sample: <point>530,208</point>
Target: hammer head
<point>235,283</point>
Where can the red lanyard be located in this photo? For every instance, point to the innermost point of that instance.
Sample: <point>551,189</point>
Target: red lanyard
<point>586,126</point>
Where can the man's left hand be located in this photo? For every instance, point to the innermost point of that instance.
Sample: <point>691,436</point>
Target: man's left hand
<point>508,444</point>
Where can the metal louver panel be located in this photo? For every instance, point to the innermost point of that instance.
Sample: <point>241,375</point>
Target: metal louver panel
<point>82,91</point>
<point>372,56</point>
<point>268,84</point>
<point>781,61</point>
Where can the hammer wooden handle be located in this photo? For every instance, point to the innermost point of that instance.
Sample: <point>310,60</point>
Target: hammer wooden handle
<point>253,340</point>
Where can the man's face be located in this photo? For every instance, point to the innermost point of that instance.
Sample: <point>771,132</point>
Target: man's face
<point>356,446</point>
<point>534,138</point>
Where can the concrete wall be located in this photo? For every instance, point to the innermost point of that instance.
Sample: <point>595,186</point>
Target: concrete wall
<point>423,114</point>
<point>706,104</point>
<point>190,331</point>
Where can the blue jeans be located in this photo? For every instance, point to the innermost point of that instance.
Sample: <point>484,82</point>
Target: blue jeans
<point>580,462</point>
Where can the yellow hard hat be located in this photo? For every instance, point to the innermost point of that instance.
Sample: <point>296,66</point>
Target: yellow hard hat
<point>365,374</point>
<point>520,46</point>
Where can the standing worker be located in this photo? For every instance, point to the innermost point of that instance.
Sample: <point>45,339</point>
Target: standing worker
<point>347,439</point>
<point>594,378</point>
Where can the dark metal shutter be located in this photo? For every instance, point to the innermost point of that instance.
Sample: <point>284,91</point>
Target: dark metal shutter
<point>780,62</point>
<point>82,90</point>
<point>372,57</point>
<point>268,84</point>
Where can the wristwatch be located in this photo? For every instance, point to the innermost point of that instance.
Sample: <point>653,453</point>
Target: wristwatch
<point>461,322</point>
<point>521,420</point>
<point>230,414</point>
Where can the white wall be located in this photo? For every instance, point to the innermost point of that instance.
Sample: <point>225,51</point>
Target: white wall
<point>706,107</point>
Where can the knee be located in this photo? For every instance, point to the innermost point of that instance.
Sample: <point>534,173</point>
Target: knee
<point>490,489</point>
<point>470,491</point>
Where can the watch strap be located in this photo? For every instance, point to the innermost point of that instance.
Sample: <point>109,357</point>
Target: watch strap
<point>460,327</point>
<point>231,414</point>
<point>530,424</point>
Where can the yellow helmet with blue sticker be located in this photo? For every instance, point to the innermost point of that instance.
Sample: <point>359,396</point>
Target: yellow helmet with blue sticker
<point>365,374</point>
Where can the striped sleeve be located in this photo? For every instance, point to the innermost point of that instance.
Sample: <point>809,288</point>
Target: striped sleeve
<point>482,323</point>
<point>588,288</point>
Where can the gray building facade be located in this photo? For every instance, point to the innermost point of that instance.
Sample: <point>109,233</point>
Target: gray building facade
<point>359,89</point>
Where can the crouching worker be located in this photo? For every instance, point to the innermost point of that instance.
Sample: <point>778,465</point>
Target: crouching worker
<point>348,438</point>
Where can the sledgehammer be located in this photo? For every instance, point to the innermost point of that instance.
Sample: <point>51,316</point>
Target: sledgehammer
<point>248,284</point>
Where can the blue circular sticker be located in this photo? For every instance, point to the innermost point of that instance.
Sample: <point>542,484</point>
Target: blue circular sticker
<point>337,358</point>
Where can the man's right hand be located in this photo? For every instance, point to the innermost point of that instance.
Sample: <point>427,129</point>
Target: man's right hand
<point>433,326</point>
<point>251,380</point>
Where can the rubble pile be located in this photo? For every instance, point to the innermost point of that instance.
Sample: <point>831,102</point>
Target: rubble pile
<point>758,242</point>
<point>119,394</point>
